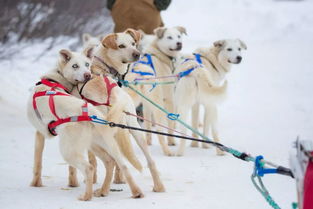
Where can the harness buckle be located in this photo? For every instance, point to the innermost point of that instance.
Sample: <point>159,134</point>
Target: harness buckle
<point>50,92</point>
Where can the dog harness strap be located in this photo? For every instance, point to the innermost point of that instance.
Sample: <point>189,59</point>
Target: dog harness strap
<point>109,86</point>
<point>53,84</point>
<point>148,62</point>
<point>198,58</point>
<point>51,93</point>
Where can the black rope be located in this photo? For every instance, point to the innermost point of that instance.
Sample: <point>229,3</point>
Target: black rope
<point>218,145</point>
<point>280,170</point>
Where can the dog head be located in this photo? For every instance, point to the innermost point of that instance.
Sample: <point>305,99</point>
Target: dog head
<point>89,40</point>
<point>74,66</point>
<point>122,47</point>
<point>230,50</point>
<point>169,40</point>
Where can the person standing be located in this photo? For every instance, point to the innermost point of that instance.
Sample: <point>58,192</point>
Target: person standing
<point>137,14</point>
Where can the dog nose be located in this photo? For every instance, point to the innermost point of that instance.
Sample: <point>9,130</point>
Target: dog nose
<point>87,76</point>
<point>136,55</point>
<point>179,44</point>
<point>239,58</point>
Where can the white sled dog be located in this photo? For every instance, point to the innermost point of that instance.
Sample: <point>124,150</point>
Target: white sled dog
<point>110,61</point>
<point>52,110</point>
<point>205,83</point>
<point>158,61</point>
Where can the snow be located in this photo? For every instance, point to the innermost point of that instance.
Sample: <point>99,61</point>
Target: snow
<point>268,106</point>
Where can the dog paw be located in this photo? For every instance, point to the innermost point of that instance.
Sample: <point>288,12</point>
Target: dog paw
<point>138,195</point>
<point>171,142</point>
<point>205,146</point>
<point>36,183</point>
<point>159,188</point>
<point>85,197</point>
<point>179,154</point>
<point>119,181</point>
<point>73,183</point>
<point>219,152</point>
<point>169,153</point>
<point>100,193</point>
<point>194,144</point>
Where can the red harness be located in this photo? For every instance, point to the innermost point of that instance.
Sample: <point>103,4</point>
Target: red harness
<point>51,93</point>
<point>109,87</point>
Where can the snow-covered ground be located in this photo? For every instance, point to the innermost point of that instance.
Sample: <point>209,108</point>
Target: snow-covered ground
<point>270,103</point>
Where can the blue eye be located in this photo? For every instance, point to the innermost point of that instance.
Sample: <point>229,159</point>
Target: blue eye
<point>87,64</point>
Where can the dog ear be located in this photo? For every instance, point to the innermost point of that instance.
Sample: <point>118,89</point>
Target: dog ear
<point>88,52</point>
<point>243,45</point>
<point>66,55</point>
<point>219,43</point>
<point>142,33</point>
<point>86,37</point>
<point>159,32</point>
<point>134,33</point>
<point>181,29</point>
<point>110,41</point>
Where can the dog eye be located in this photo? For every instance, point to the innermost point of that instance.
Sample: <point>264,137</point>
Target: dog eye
<point>169,37</point>
<point>239,49</point>
<point>121,46</point>
<point>75,66</point>
<point>178,36</point>
<point>87,64</point>
<point>133,44</point>
<point>229,49</point>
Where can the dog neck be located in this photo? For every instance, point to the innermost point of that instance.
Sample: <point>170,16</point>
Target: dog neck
<point>211,55</point>
<point>156,51</point>
<point>102,64</point>
<point>57,76</point>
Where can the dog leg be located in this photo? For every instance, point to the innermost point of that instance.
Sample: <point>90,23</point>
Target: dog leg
<point>170,107</point>
<point>139,137</point>
<point>195,123</point>
<point>109,166</point>
<point>72,177</point>
<point>215,131</point>
<point>93,162</point>
<point>77,160</point>
<point>207,122</point>
<point>108,143</point>
<point>147,125</point>
<point>118,176</point>
<point>39,145</point>
<point>183,115</point>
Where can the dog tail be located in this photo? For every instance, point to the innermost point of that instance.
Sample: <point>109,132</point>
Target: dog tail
<point>122,136</point>
<point>217,92</point>
<point>125,145</point>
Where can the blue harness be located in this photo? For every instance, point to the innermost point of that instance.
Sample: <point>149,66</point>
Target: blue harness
<point>148,62</point>
<point>187,72</point>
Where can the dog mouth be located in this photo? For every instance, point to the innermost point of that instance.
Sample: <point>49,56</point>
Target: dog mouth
<point>176,49</point>
<point>235,62</point>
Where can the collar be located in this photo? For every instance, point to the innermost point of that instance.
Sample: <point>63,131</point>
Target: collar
<point>109,69</point>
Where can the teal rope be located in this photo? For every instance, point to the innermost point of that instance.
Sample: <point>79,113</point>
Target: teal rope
<point>232,151</point>
<point>264,191</point>
<point>226,149</point>
<point>150,83</point>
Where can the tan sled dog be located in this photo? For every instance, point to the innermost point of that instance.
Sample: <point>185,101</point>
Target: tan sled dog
<point>111,59</point>
<point>205,85</point>
<point>51,103</point>
<point>162,51</point>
